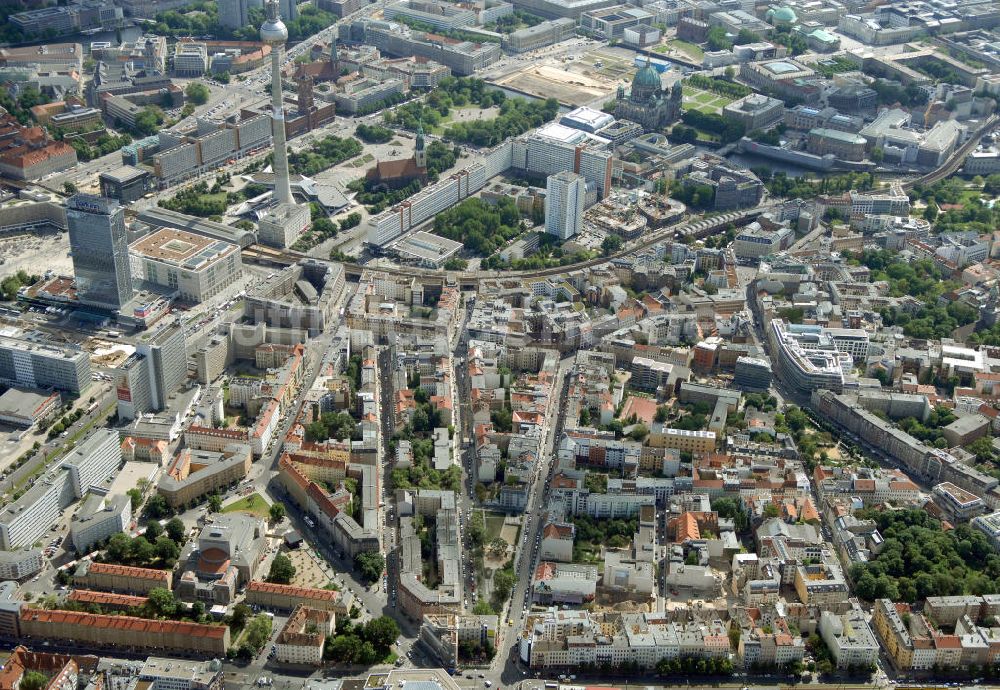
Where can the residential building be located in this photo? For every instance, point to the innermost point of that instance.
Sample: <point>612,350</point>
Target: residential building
<point>41,365</point>
<point>168,674</point>
<point>539,36</point>
<point>557,542</point>
<point>990,526</point>
<point>20,564</point>
<point>120,578</point>
<point>98,518</point>
<point>153,373</point>
<point>821,584</point>
<point>195,473</point>
<point>302,639</point>
<point>565,194</point>
<point>278,597</point>
<point>440,15</point>
<point>446,635</point>
<point>849,639</point>
<point>682,439</point>
<point>125,632</point>
<point>462,57</point>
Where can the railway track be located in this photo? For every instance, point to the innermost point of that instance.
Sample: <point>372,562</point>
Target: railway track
<point>698,229</point>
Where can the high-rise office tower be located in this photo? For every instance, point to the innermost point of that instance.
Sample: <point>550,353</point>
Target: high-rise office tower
<point>146,380</point>
<point>99,246</point>
<point>564,199</point>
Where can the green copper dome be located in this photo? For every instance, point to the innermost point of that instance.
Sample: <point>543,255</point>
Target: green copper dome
<point>646,78</point>
<point>784,15</point>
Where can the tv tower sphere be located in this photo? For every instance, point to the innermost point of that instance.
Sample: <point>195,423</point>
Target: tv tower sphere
<point>273,31</point>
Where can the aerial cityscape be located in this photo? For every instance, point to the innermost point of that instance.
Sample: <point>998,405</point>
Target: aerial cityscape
<point>527,344</point>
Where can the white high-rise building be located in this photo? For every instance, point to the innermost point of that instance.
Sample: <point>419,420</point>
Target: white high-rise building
<point>564,198</point>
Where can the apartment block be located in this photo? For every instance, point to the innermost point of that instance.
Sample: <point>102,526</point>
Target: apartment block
<point>125,632</point>
<point>120,578</point>
<point>98,518</point>
<point>849,639</point>
<point>302,638</point>
<point>40,364</point>
<point>196,473</point>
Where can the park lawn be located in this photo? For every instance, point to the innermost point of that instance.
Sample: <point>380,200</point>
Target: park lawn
<point>970,195</point>
<point>661,49</point>
<point>494,525</point>
<point>690,48</point>
<point>253,504</point>
<point>704,97</point>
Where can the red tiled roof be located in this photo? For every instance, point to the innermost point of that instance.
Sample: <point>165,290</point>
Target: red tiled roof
<point>293,591</point>
<point>128,571</point>
<point>89,596</point>
<point>139,625</point>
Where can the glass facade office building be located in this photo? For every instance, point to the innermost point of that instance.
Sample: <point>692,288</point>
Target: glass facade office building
<point>99,247</point>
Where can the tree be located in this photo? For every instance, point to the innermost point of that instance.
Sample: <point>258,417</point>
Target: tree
<point>258,632</point>
<point>483,608</point>
<point>770,511</point>
<point>497,547</point>
<point>638,432</point>
<point>931,212</point>
<point>34,680</point>
<point>277,512</point>
<point>382,633</point>
<point>140,551</point>
<point>611,244</point>
<point>344,649</point>
<point>197,610</point>
<point>167,549</point>
<point>148,121</point>
<point>324,227</point>
<point>135,498</point>
<point>161,602</point>
<point>878,155</point>
<point>370,565</point>
<point>503,583</point>
<point>241,612</point>
<point>153,530</point>
<point>214,503</point>
<point>197,93</point>
<point>176,531</point>
<point>477,529</point>
<point>69,188</point>
<point>282,571</point>
<point>157,507</point>
<point>117,551</point>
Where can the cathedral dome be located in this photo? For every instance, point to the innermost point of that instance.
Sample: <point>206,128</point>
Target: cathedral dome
<point>646,78</point>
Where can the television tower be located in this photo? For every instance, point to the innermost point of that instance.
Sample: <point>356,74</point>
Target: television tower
<point>274,33</point>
